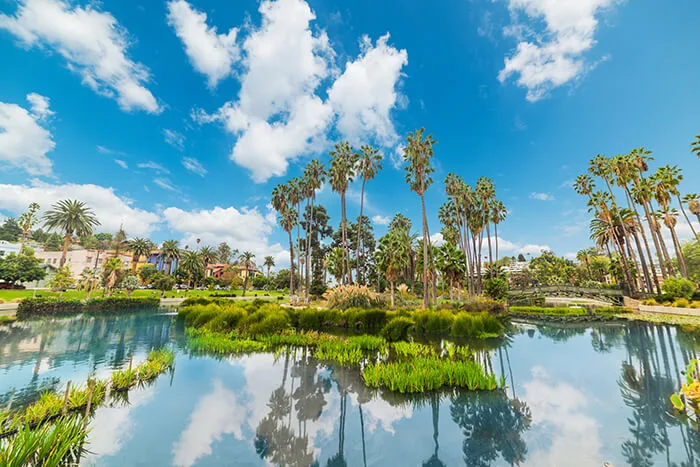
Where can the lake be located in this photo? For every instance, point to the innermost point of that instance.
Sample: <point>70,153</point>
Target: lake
<point>577,396</point>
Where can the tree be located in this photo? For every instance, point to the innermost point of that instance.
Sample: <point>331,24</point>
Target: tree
<point>287,216</point>
<point>70,217</point>
<point>62,280</point>
<point>269,263</point>
<point>224,253</point>
<point>393,256</point>
<point>192,265</point>
<point>139,247</point>
<point>170,251</point>
<point>112,274</point>
<point>549,269</point>
<point>53,242</point>
<point>130,283</point>
<point>418,153</point>
<point>24,267</point>
<point>163,282</point>
<point>670,218</point>
<point>521,258</point>
<point>10,230</point>
<point>119,241</point>
<point>27,221</point>
<point>208,254</point>
<point>147,273</point>
<point>314,176</point>
<point>496,288</point>
<point>247,263</point>
<point>693,202</point>
<point>691,254</point>
<point>368,165</point>
<point>340,175</point>
<point>695,146</point>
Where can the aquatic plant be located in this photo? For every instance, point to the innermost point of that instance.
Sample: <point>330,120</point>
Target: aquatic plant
<point>51,445</point>
<point>476,325</point>
<point>203,340</point>
<point>397,329</point>
<point>428,374</point>
<point>78,396</point>
<point>412,350</point>
<point>123,380</point>
<point>48,406</point>
<point>688,398</point>
<point>156,363</point>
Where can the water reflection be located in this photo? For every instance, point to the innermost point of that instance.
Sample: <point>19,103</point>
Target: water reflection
<point>577,396</point>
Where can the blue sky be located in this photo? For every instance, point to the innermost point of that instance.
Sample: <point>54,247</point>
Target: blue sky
<point>178,118</point>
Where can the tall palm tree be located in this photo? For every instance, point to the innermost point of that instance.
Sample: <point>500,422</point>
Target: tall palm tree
<point>486,192</point>
<point>393,255</point>
<point>314,176</point>
<point>498,215</point>
<point>340,175</point>
<point>287,217</point>
<point>70,217</point>
<point>139,247</point>
<point>369,164</point>
<point>670,218</point>
<point>208,254</point>
<point>693,202</point>
<point>418,153</point>
<point>246,262</point>
<point>169,252</point>
<point>112,269</point>
<point>269,263</point>
<point>673,176</point>
<point>294,197</point>
<point>193,264</point>
<point>643,193</point>
<point>27,221</point>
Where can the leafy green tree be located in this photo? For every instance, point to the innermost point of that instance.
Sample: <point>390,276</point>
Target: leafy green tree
<point>53,242</point>
<point>549,269</point>
<point>147,272</point>
<point>209,255</point>
<point>259,282</point>
<point>246,260</point>
<point>691,252</point>
<point>163,282</point>
<point>10,230</point>
<point>70,217</point>
<point>678,287</point>
<point>39,236</point>
<point>24,267</point>
<point>130,283</point>
<point>63,279</point>
<point>496,288</point>
<point>393,256</point>
<point>192,266</point>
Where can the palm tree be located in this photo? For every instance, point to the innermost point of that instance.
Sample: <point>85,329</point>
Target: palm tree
<point>498,215</point>
<point>294,197</point>
<point>485,192</point>
<point>340,175</point>
<point>418,153</point>
<point>208,254</point>
<point>643,193</point>
<point>287,216</point>
<point>169,252</point>
<point>393,256</point>
<point>70,217</point>
<point>369,164</point>
<point>112,268</point>
<point>670,218</point>
<point>695,146</point>
<point>193,264</point>
<point>314,176</point>
<point>26,222</point>
<point>139,247</point>
<point>693,202</point>
<point>673,176</point>
<point>269,263</point>
<point>246,262</point>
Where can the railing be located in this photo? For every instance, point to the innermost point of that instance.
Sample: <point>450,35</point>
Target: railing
<point>566,289</point>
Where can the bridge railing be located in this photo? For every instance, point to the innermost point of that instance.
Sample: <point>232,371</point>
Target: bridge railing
<point>566,289</point>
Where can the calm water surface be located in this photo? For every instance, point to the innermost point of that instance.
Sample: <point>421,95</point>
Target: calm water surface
<point>577,396</point>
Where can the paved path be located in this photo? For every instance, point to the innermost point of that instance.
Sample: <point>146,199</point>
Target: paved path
<point>669,310</point>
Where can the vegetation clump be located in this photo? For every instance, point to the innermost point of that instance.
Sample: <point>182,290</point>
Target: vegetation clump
<point>55,444</point>
<point>343,297</point>
<point>687,400</point>
<point>53,306</point>
<point>156,363</point>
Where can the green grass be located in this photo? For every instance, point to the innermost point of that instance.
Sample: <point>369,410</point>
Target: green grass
<point>51,445</point>
<point>5,319</point>
<point>157,362</point>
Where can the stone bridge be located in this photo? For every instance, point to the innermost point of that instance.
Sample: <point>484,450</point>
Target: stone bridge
<point>614,296</point>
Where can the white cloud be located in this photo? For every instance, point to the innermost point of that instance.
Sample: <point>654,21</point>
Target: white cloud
<point>507,246</point>
<point>104,150</point>
<point>93,43</point>
<point>165,184</point>
<point>396,157</point>
<point>364,95</point>
<point>437,239</point>
<point>174,139</point>
<point>111,209</point>
<point>194,166</point>
<point>39,105</point>
<point>534,250</point>
<point>210,53</point>
<point>570,255</point>
<point>381,220</point>
<point>279,113</point>
<point>541,196</point>
<point>23,141</point>
<point>553,57</point>
<point>245,229</point>
<point>153,166</point>
<point>121,163</point>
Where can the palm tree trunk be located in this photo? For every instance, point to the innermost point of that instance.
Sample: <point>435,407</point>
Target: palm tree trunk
<point>359,231</point>
<point>345,260</point>
<point>391,284</point>
<point>488,235</point>
<point>692,229</point>
<point>647,274</point>
<point>619,218</point>
<point>425,250</point>
<point>495,233</point>
<point>679,252</point>
<point>656,246</point>
<point>291,262</point>
<point>476,266</point>
<point>642,259</point>
<point>309,227</point>
<point>669,264</point>
<point>66,245</point>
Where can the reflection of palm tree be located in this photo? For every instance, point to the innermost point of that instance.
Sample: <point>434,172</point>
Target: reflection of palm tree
<point>434,460</point>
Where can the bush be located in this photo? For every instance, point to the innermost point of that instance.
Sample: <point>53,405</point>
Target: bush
<point>483,304</point>
<point>343,297</point>
<point>678,287</point>
<point>53,306</point>
<point>681,303</point>
<point>496,288</point>
<point>397,329</point>
<point>434,322</point>
<point>476,325</point>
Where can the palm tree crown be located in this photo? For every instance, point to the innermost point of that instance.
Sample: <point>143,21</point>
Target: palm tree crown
<point>71,217</point>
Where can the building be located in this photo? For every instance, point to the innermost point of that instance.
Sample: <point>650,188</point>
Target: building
<point>7,248</point>
<point>158,261</point>
<point>79,260</point>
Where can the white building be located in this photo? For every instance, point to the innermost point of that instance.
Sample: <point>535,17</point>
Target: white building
<point>6,248</point>
<point>79,260</point>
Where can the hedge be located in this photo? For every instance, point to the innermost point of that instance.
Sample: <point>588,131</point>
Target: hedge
<point>52,306</point>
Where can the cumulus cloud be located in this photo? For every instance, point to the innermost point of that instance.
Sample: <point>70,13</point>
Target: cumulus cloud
<point>541,196</point>
<point>23,141</point>
<point>92,42</point>
<point>194,166</point>
<point>111,209</point>
<point>544,60</point>
<point>286,68</point>
<point>381,220</point>
<point>210,53</point>
<point>245,229</point>
<point>174,139</point>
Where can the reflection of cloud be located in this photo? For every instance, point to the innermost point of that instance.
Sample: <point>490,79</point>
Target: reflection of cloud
<point>379,412</point>
<point>111,426</point>
<point>217,413</point>
<point>559,408</point>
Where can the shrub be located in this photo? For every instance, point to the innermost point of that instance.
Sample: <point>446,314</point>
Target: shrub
<point>483,304</point>
<point>678,287</point>
<point>264,322</point>
<point>476,325</point>
<point>397,329</point>
<point>681,303</point>
<point>496,288</point>
<point>54,306</point>
<point>226,320</point>
<point>343,297</point>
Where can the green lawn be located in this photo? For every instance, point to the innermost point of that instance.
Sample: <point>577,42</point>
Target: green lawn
<point>10,295</point>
